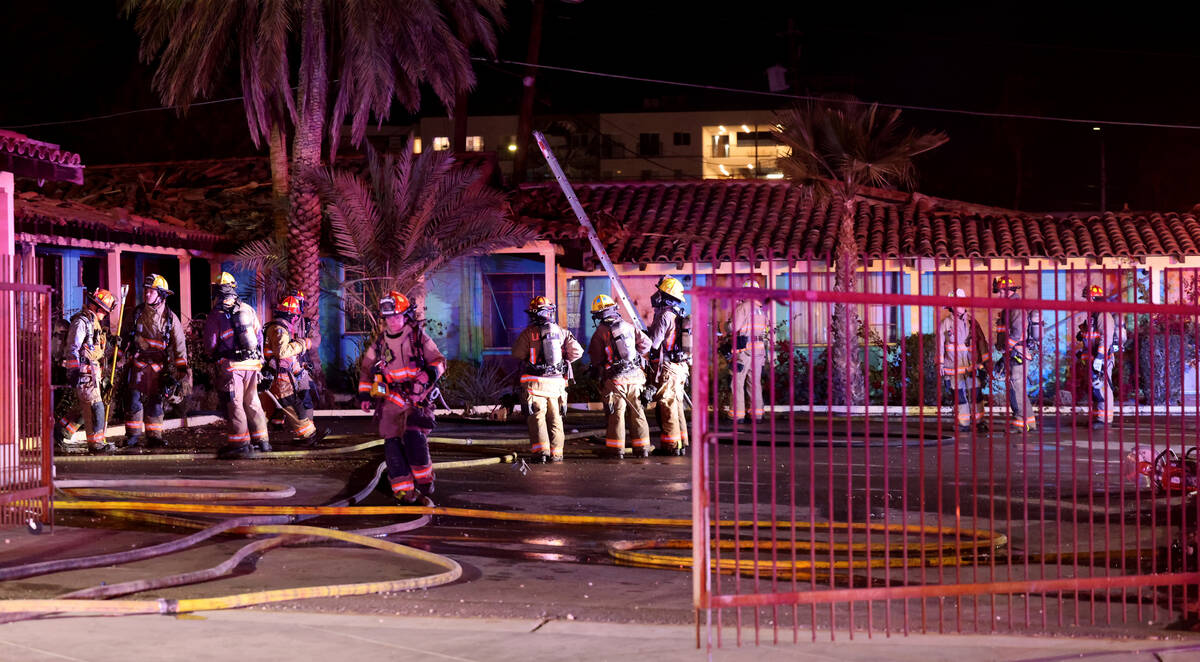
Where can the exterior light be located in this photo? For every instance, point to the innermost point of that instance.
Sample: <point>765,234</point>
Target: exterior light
<point>745,129</point>
<point>1095,128</point>
<point>512,147</point>
<point>721,128</point>
<point>724,170</point>
<point>750,166</point>
<point>774,175</point>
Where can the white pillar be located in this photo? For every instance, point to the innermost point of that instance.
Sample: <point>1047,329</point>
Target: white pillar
<point>185,289</point>
<point>114,283</point>
<point>8,329</point>
<point>550,275</point>
<point>1156,284</point>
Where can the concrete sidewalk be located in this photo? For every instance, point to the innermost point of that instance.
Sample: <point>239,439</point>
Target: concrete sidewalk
<point>253,635</point>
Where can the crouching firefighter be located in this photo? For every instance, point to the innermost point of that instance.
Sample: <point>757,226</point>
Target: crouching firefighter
<point>1018,332</point>
<point>546,351</point>
<point>1102,336</point>
<point>233,337</point>
<point>83,357</point>
<point>617,352</point>
<point>157,364</point>
<point>301,328</point>
<point>671,349</point>
<point>397,377</point>
<point>288,388</point>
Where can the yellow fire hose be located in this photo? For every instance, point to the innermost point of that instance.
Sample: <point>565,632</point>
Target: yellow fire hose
<point>956,546</point>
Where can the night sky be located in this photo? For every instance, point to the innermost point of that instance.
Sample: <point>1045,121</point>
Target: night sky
<point>69,60</point>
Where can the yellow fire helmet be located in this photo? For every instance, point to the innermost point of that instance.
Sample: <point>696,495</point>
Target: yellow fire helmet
<point>226,278</point>
<point>157,282</point>
<point>671,287</point>
<point>1093,292</point>
<point>602,302</point>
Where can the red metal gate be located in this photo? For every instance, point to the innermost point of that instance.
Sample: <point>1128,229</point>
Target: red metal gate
<point>25,416</point>
<point>890,512</point>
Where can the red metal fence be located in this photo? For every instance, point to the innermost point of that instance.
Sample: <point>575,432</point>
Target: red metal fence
<point>25,416</point>
<point>924,504</point>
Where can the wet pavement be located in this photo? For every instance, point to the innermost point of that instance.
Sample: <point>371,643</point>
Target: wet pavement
<point>1063,494</point>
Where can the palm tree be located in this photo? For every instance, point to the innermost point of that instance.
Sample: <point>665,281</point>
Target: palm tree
<point>409,216</point>
<point>839,146</point>
<point>307,65</point>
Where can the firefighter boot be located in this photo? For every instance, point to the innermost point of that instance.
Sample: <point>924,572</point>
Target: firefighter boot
<point>235,451</point>
<point>262,445</point>
<point>101,448</point>
<point>134,440</point>
<point>156,442</point>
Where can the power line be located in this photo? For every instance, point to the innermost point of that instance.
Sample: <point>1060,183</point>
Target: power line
<point>808,97</point>
<point>120,114</point>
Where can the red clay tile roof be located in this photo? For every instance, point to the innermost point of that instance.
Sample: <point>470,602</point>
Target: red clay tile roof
<point>40,160</point>
<point>648,222</point>
<point>36,214</point>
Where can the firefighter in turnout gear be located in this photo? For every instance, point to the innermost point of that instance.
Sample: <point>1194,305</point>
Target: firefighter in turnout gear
<point>1102,336</point>
<point>1018,332</point>
<point>157,364</point>
<point>301,329</point>
<point>233,337</point>
<point>617,352</point>
<point>962,356</point>
<point>288,392</point>
<point>671,350</point>
<point>750,326</point>
<point>546,351</point>
<point>397,377</point>
<point>83,358</point>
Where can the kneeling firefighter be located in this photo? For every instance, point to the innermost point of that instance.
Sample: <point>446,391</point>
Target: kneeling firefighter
<point>157,364</point>
<point>288,390</point>
<point>83,357</point>
<point>546,351</point>
<point>671,349</point>
<point>397,376</point>
<point>233,337</point>
<point>617,352</point>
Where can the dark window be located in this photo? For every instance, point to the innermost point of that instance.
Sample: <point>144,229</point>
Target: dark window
<point>610,147</point>
<point>677,174</point>
<point>683,138</point>
<point>52,275</point>
<point>647,175</point>
<point>649,144</point>
<point>759,138</point>
<point>508,295</point>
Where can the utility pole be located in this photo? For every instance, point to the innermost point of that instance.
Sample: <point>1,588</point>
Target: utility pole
<point>528,93</point>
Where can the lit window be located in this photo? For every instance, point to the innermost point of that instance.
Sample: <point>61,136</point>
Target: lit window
<point>416,145</point>
<point>474,143</point>
<point>441,143</point>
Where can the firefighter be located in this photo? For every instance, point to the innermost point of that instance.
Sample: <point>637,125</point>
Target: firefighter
<point>83,357</point>
<point>749,327</point>
<point>1103,336</point>
<point>671,350</point>
<point>66,417</point>
<point>397,377</point>
<point>962,353</point>
<point>157,364</point>
<point>1017,333</point>
<point>546,351</point>
<point>617,352</point>
<point>233,337</point>
<point>288,394</point>
<point>303,328</point>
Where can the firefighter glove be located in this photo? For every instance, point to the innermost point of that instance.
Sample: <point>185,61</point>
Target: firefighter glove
<point>1098,364</point>
<point>432,371</point>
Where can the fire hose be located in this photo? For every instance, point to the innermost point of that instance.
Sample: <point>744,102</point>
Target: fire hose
<point>955,547</point>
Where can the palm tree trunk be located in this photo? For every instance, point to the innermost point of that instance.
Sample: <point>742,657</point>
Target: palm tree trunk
<point>304,204</point>
<point>304,221</point>
<point>849,385</point>
<point>277,145</point>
